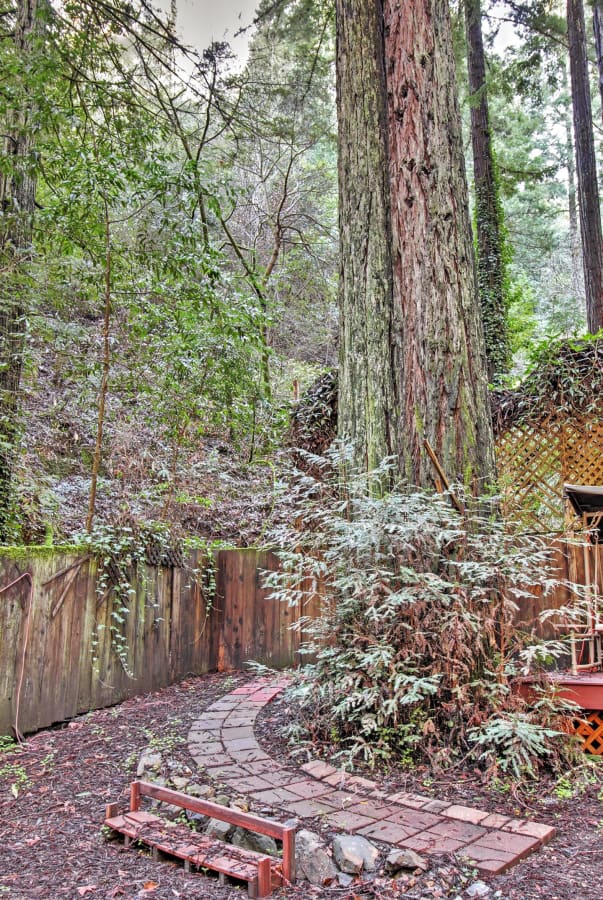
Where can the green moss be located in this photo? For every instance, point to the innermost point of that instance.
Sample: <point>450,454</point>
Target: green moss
<point>39,551</point>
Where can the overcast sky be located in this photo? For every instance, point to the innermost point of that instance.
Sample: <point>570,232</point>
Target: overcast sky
<point>202,21</point>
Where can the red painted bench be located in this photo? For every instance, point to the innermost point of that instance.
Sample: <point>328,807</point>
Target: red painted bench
<point>261,872</point>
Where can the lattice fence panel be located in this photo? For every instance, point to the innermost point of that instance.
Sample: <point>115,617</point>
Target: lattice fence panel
<point>534,461</point>
<point>530,471</point>
<point>582,456</point>
<point>590,730</point>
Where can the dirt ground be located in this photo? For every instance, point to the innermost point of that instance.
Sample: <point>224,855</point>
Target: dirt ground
<point>53,792</point>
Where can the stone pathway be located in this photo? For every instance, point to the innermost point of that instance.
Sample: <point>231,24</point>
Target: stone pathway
<point>223,742</point>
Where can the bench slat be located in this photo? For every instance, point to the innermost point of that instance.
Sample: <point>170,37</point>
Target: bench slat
<point>200,850</point>
<point>207,808</point>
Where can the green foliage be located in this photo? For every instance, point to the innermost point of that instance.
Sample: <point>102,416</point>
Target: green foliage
<point>522,316</point>
<point>416,648</point>
<point>167,742</point>
<point>279,191</point>
<point>514,743</point>
<point>564,377</point>
<point>532,125</point>
<point>122,222</point>
<point>530,114</point>
<point>564,789</point>
<point>7,743</point>
<point>17,775</point>
<point>122,552</point>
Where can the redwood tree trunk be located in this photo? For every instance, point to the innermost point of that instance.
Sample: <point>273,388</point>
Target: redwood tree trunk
<point>598,30</point>
<point>572,204</point>
<point>488,211</point>
<point>17,203</point>
<point>586,169</point>
<point>369,364</point>
<point>413,363</point>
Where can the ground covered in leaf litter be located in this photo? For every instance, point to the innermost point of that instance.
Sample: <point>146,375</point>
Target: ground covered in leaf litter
<point>53,793</point>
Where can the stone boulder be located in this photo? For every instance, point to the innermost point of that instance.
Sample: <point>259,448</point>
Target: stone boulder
<point>398,860</point>
<point>149,761</point>
<point>259,843</point>
<point>219,830</point>
<point>312,861</point>
<point>354,854</point>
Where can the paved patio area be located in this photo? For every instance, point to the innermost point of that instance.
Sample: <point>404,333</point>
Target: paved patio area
<point>223,741</point>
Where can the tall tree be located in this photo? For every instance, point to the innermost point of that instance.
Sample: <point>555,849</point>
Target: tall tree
<point>369,360</point>
<point>413,363</point>
<point>572,196</point>
<point>598,32</point>
<point>586,167</point>
<point>17,203</point>
<point>491,274</point>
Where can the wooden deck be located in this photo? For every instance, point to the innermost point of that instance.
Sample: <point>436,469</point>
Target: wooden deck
<point>584,689</point>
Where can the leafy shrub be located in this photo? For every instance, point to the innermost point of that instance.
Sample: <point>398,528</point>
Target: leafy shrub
<point>416,648</point>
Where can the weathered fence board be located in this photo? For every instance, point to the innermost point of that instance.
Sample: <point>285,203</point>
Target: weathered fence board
<point>253,626</point>
<point>567,566</point>
<point>62,645</point>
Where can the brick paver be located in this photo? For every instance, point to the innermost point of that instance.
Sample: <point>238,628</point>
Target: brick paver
<point>222,741</point>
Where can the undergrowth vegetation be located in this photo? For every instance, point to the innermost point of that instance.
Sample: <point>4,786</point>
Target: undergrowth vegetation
<point>415,654</point>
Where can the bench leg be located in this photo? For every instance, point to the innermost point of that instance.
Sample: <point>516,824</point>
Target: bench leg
<point>264,877</point>
<point>134,796</point>
<point>289,856</point>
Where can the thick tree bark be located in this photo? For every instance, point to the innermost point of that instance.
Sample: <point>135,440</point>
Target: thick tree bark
<point>488,213</point>
<point>444,381</point>
<point>369,364</point>
<point>17,204</point>
<point>598,31</point>
<point>412,352</point>
<point>572,204</point>
<point>586,169</point>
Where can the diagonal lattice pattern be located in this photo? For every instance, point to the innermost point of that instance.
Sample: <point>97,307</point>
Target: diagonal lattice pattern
<point>590,730</point>
<point>535,459</point>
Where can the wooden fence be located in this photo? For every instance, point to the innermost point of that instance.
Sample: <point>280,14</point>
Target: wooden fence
<point>567,566</point>
<point>57,650</point>
<point>58,634</point>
